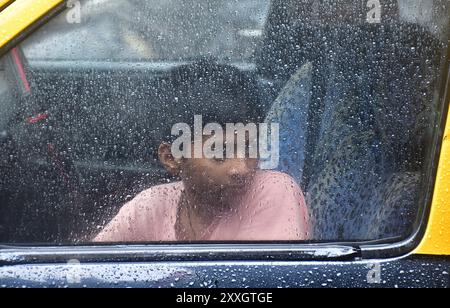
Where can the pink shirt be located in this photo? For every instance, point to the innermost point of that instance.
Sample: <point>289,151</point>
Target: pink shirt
<point>273,208</point>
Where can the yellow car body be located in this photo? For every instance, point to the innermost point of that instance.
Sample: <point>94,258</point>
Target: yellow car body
<point>19,16</point>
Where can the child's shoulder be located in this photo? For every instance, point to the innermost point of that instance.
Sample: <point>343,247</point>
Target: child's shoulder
<point>163,189</point>
<point>276,184</point>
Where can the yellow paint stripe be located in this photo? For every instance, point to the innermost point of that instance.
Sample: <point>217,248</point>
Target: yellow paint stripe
<point>20,15</point>
<point>437,237</point>
<point>4,3</point>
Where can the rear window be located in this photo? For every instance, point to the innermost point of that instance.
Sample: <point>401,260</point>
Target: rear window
<point>224,121</point>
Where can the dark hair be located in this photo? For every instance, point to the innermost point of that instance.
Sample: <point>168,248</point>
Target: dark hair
<point>219,93</point>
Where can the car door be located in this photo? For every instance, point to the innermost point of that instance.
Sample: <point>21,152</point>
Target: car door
<point>83,89</point>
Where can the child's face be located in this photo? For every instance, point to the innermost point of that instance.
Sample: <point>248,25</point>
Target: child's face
<point>209,175</point>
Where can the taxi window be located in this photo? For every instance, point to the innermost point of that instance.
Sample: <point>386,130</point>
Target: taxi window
<point>222,121</point>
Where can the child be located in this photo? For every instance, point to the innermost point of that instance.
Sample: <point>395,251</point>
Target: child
<point>217,199</point>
